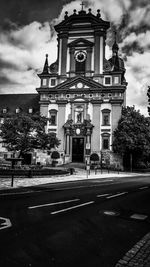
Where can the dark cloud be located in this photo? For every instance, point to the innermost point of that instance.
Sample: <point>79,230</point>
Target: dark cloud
<point>5,81</point>
<point>132,47</point>
<point>26,11</point>
<point>8,65</point>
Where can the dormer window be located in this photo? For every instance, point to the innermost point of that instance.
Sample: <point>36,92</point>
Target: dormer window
<point>53,82</point>
<point>116,80</point>
<point>44,82</point>
<point>107,80</point>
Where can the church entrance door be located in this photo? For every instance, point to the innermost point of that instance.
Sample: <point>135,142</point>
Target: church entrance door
<point>77,149</point>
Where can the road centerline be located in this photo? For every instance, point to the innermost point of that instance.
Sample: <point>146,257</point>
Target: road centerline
<point>103,195</point>
<point>54,203</point>
<point>117,195</point>
<point>73,207</point>
<point>144,187</point>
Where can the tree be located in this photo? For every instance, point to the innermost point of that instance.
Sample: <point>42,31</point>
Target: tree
<point>24,132</point>
<point>148,94</point>
<point>132,136</point>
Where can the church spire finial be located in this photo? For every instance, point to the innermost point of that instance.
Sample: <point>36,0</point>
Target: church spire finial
<point>82,5</point>
<point>115,46</point>
<point>46,68</point>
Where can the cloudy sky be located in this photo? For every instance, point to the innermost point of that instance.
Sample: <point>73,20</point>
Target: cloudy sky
<point>26,35</point>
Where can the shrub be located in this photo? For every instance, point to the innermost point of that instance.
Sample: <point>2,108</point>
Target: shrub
<point>94,157</point>
<point>55,155</point>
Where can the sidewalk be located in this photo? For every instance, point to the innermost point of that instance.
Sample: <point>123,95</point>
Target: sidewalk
<point>80,174</point>
<point>139,255</point>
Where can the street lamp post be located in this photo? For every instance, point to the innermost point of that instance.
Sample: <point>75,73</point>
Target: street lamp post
<point>13,161</point>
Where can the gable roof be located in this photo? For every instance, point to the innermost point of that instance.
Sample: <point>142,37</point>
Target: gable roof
<point>23,101</point>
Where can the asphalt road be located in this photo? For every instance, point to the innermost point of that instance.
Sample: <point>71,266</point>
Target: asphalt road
<point>83,224</point>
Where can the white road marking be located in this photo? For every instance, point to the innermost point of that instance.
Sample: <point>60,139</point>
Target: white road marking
<point>138,216</point>
<point>71,208</point>
<point>144,187</point>
<point>5,224</point>
<point>55,203</point>
<point>117,195</point>
<point>103,195</point>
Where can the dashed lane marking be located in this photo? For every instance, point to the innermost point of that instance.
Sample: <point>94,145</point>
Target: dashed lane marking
<point>139,216</point>
<point>71,208</point>
<point>55,203</point>
<point>117,195</point>
<point>4,223</point>
<point>103,195</point>
<point>144,187</point>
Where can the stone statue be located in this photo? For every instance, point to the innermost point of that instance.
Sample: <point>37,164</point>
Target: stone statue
<point>79,117</point>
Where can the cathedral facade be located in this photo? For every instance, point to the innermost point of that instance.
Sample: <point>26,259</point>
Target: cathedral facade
<point>82,93</point>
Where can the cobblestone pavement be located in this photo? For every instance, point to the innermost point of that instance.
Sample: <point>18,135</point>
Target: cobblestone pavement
<point>138,256</point>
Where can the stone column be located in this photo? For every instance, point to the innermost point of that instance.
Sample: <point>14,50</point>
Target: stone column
<point>101,54</point>
<point>64,54</point>
<point>67,144</point>
<point>88,61</point>
<point>72,61</point>
<point>97,54</point>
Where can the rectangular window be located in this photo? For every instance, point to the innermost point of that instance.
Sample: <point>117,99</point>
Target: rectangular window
<point>105,143</point>
<point>1,120</point>
<point>44,82</point>
<point>30,110</point>
<point>4,110</point>
<point>53,82</point>
<point>116,80</point>
<point>107,80</point>
<point>53,119</point>
<point>106,119</point>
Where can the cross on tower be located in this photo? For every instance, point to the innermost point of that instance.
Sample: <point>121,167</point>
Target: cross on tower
<point>82,4</point>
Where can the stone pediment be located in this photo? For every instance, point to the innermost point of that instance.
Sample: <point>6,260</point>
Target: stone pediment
<point>79,83</point>
<point>80,42</point>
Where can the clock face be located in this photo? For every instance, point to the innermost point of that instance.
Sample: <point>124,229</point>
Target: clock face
<point>79,85</point>
<point>80,56</point>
